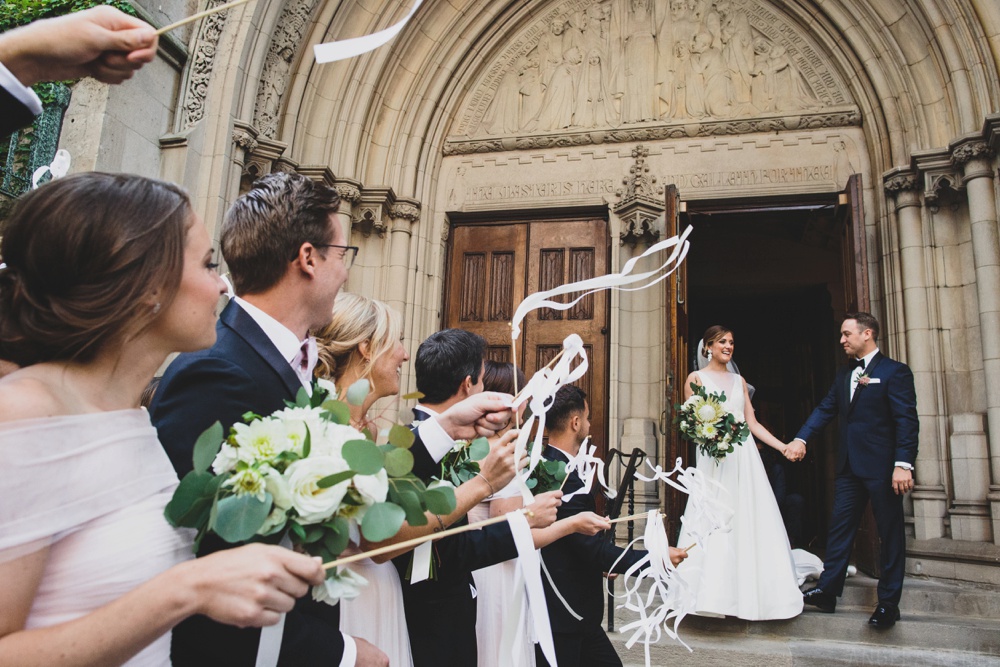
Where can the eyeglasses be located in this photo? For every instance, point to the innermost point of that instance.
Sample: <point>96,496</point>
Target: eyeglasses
<point>350,252</point>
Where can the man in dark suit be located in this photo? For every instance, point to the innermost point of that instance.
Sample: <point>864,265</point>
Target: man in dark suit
<point>287,258</point>
<point>441,611</point>
<point>578,562</point>
<point>876,406</point>
<point>101,42</point>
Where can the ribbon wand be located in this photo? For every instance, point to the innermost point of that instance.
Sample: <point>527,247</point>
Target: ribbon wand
<point>200,15</point>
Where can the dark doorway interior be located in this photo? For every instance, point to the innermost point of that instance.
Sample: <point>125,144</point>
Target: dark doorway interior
<point>775,278</point>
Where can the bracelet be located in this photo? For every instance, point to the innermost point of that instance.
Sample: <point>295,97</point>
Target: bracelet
<point>492,490</point>
<point>440,523</point>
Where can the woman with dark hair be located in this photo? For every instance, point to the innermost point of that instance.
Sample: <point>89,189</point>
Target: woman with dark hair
<point>105,276</point>
<point>748,570</point>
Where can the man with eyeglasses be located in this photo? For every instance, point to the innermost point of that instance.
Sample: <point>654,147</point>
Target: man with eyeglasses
<point>287,258</point>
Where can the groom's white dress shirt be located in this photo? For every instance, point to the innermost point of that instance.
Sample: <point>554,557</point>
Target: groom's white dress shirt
<point>437,442</point>
<point>289,345</point>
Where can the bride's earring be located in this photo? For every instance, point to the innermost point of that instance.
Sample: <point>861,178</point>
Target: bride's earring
<point>709,355</point>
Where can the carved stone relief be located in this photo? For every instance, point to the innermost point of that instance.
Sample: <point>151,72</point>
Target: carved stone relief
<point>202,62</point>
<point>278,64</point>
<point>641,204</point>
<point>594,67</point>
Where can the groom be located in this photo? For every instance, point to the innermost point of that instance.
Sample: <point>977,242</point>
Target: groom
<point>876,406</point>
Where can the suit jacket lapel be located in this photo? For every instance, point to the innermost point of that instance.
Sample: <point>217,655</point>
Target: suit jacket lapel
<point>868,371</point>
<point>246,328</point>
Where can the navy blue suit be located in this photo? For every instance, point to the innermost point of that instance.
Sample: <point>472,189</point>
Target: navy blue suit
<point>242,372</point>
<point>577,564</point>
<point>877,428</point>
<point>441,612</point>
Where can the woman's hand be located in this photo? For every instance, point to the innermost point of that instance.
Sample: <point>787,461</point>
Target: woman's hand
<point>542,512</point>
<point>251,585</point>
<point>499,466</point>
<point>589,523</point>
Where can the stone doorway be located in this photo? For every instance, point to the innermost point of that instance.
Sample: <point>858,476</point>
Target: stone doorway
<point>775,275</point>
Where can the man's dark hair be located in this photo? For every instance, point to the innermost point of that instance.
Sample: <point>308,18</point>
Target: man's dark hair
<point>568,400</point>
<point>865,321</point>
<point>444,360</point>
<point>265,228</point>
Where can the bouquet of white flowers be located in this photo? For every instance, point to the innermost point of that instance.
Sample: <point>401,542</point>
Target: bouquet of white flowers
<point>305,473</point>
<point>703,421</point>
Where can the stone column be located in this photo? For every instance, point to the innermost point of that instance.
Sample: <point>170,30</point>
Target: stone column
<point>975,158</point>
<point>929,497</point>
<point>404,214</point>
<point>350,194</point>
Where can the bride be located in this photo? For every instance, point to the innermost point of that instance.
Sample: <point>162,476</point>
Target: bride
<point>746,571</point>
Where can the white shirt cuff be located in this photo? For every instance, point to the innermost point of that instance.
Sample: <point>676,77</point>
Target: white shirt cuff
<point>21,93</point>
<point>904,465</point>
<point>800,440</point>
<point>350,652</point>
<point>437,442</point>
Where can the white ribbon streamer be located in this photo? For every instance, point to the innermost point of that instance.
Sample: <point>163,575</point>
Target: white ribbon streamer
<point>57,169</point>
<point>680,246</point>
<point>348,48</point>
<point>588,467</point>
<point>707,510</point>
<point>269,646</point>
<point>528,579</point>
<point>420,567</point>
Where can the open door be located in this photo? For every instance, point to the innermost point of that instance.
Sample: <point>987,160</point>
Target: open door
<point>677,367</point>
<point>852,213</point>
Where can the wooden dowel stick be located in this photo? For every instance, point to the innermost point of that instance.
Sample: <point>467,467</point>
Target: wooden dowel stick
<point>517,394</point>
<point>200,15</point>
<point>630,517</point>
<point>688,548</point>
<point>417,540</point>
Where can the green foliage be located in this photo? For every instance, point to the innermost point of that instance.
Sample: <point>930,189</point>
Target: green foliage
<point>382,521</point>
<point>462,463</point>
<point>239,517</point>
<point>547,476</point>
<point>14,13</point>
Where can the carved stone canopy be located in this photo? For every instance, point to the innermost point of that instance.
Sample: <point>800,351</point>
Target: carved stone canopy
<point>641,207</point>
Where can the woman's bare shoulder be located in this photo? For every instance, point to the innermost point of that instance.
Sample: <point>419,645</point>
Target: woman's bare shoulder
<point>27,395</point>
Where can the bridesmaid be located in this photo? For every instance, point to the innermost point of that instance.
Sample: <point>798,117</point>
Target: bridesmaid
<point>107,275</point>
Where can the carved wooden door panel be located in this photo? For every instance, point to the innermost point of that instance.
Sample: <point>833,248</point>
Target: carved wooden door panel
<point>677,367</point>
<point>493,267</point>
<point>855,268</point>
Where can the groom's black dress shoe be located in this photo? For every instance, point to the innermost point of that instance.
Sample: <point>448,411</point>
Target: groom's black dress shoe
<point>823,601</point>
<point>885,616</point>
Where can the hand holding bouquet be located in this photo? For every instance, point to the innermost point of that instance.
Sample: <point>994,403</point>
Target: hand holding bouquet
<point>703,420</point>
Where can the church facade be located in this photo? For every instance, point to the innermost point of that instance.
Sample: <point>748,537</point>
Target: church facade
<point>830,155</point>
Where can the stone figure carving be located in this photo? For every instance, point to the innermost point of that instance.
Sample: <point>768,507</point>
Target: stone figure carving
<point>611,63</point>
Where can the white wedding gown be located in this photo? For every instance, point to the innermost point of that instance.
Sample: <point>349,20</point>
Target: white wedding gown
<point>377,614</point>
<point>747,571</point>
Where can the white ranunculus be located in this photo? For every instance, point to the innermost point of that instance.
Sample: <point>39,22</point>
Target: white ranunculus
<point>707,414</point>
<point>315,504</point>
<point>226,459</point>
<point>277,486</point>
<point>344,585</point>
<point>247,482</point>
<point>373,488</point>
<point>260,440</point>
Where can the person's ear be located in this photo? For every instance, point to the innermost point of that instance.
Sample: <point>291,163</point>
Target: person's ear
<point>306,260</point>
<point>467,384</point>
<point>574,423</point>
<point>365,350</point>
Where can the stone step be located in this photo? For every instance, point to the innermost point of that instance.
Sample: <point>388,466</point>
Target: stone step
<point>928,596</point>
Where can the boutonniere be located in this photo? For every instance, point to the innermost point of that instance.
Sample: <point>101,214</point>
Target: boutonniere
<point>864,379</point>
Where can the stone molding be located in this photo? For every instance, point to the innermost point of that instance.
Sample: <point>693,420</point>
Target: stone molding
<point>202,64</point>
<point>377,209</point>
<point>406,209</point>
<point>847,117</point>
<point>966,152</point>
<point>319,173</point>
<point>900,183</point>
<point>641,207</point>
<point>349,190</point>
<point>281,55</point>
<point>264,156</point>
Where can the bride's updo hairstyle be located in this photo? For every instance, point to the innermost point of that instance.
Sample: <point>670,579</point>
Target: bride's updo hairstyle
<point>356,319</point>
<point>712,334</point>
<point>86,255</point>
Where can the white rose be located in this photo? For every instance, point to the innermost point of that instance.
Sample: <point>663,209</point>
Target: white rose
<point>707,414</point>
<point>247,482</point>
<point>277,486</point>
<point>313,503</point>
<point>344,585</point>
<point>373,488</point>
<point>225,460</point>
<point>261,440</point>
<point>329,440</point>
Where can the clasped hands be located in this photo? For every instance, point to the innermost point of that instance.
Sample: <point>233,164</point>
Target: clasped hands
<point>794,450</point>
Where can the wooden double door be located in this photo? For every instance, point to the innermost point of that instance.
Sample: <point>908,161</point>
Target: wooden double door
<point>493,266</point>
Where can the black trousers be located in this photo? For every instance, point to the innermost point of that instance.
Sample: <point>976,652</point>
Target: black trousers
<point>591,648</point>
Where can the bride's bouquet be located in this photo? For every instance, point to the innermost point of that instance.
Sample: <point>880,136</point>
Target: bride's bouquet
<point>703,420</point>
<point>303,473</point>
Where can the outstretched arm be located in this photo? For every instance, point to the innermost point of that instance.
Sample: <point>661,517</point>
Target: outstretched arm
<point>820,417</point>
<point>759,431</point>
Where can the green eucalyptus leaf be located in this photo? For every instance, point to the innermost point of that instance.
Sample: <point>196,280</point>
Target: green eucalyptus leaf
<point>363,456</point>
<point>337,412</point>
<point>398,462</point>
<point>440,500</point>
<point>410,503</point>
<point>336,539</point>
<point>382,521</point>
<point>207,446</point>
<point>302,398</point>
<point>401,436</point>
<point>307,443</point>
<point>358,392</point>
<point>240,517</point>
<point>478,449</point>
<point>334,479</point>
<point>297,528</point>
<point>191,494</point>
<point>313,534</point>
